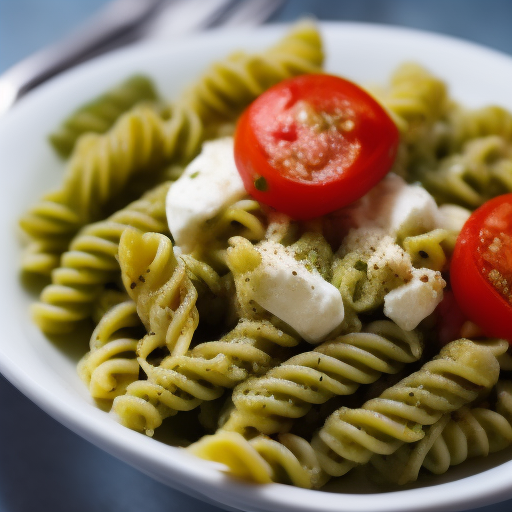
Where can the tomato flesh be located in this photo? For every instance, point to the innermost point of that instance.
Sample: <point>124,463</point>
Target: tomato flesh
<point>313,144</point>
<point>495,250</point>
<point>481,268</point>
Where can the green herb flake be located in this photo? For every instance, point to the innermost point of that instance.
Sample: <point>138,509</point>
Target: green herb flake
<point>194,175</point>
<point>361,266</point>
<point>261,184</point>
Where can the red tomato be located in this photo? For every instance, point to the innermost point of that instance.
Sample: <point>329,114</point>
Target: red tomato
<point>313,144</point>
<point>481,268</point>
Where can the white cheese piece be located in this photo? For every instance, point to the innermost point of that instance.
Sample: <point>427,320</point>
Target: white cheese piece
<point>452,217</point>
<point>393,206</point>
<point>410,303</point>
<point>209,184</point>
<point>414,211</point>
<point>374,208</point>
<point>303,299</point>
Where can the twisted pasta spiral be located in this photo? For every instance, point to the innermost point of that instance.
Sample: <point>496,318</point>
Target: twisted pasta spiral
<point>228,86</point>
<point>472,124</point>
<point>111,363</point>
<point>91,262</point>
<point>243,218</point>
<point>445,384</point>
<point>418,103</point>
<point>107,299</point>
<point>102,165</point>
<point>42,256</point>
<point>480,172</point>
<point>100,114</point>
<point>351,436</point>
<point>181,383</point>
<point>364,275</point>
<point>270,403</point>
<point>165,296</point>
<point>428,250</point>
<point>289,459</point>
<point>469,432</point>
<point>416,96</point>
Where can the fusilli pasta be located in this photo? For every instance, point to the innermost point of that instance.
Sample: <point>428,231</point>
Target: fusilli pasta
<point>351,436</point>
<point>181,383</point>
<point>456,437</point>
<point>158,282</point>
<point>100,114</point>
<point>91,262</point>
<point>270,403</point>
<point>111,363</point>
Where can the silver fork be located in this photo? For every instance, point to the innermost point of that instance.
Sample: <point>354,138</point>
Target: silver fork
<point>122,22</point>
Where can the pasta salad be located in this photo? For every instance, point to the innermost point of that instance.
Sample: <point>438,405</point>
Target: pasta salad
<point>292,275</point>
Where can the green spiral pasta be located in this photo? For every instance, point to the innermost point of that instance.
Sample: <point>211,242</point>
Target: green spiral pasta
<point>142,141</point>
<point>42,256</point>
<point>428,250</point>
<point>243,218</point>
<point>230,85</point>
<point>456,437</point>
<point>181,383</point>
<point>215,293</point>
<point>111,364</point>
<point>350,437</point>
<point>288,459</point>
<point>102,165</point>
<point>99,115</point>
<point>445,384</point>
<point>416,96</point>
<point>158,282</point>
<point>364,274</point>
<point>110,297</point>
<point>418,102</point>
<point>272,402</point>
<point>480,172</point>
<point>91,263</point>
<point>467,124</point>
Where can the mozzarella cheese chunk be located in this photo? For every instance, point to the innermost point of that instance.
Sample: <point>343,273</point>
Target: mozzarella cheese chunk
<point>373,209</point>
<point>303,299</point>
<point>209,184</point>
<point>410,303</point>
<point>395,207</point>
<point>452,217</point>
<point>414,211</point>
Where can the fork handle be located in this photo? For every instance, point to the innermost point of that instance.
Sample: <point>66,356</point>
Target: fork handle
<point>116,19</point>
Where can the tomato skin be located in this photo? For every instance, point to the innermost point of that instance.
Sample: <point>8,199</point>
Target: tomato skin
<point>479,300</point>
<point>371,144</point>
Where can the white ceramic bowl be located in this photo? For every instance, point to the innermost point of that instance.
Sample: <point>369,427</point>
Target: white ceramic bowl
<point>45,371</point>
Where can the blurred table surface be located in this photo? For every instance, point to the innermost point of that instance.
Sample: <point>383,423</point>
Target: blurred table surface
<point>44,466</point>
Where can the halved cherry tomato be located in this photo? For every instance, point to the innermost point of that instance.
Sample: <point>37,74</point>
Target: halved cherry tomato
<point>481,268</point>
<point>313,144</point>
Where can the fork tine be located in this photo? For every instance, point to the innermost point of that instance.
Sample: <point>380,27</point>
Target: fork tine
<point>181,17</point>
<point>250,13</point>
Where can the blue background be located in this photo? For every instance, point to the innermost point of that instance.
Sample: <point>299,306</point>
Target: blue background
<point>44,466</point>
